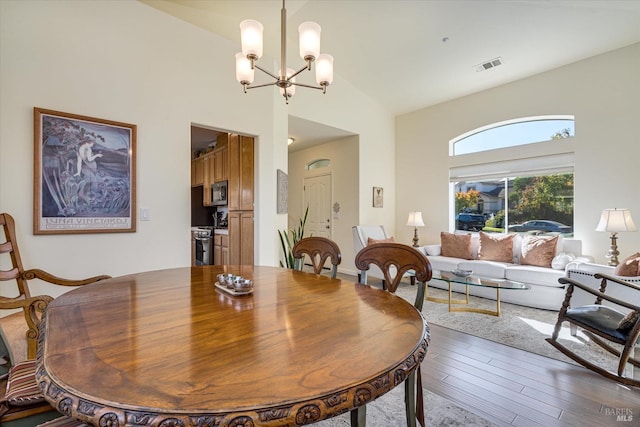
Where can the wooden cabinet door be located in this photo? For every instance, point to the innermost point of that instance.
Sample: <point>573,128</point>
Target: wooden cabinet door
<point>246,238</point>
<point>235,237</point>
<point>246,173</point>
<point>206,194</point>
<point>241,238</point>
<point>197,172</point>
<point>233,185</point>
<point>240,187</point>
<point>225,250</point>
<point>220,160</point>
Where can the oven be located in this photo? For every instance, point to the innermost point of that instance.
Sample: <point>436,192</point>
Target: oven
<point>202,245</point>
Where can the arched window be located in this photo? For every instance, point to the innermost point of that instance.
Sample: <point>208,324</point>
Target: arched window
<point>512,133</point>
<point>528,189</point>
<point>319,163</point>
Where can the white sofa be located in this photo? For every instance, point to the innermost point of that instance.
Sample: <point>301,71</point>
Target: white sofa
<point>545,292</point>
<point>584,272</point>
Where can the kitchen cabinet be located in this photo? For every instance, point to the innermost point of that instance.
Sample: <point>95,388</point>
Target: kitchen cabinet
<point>241,238</point>
<point>197,172</point>
<point>240,182</point>
<point>221,249</point>
<point>207,166</point>
<point>221,164</point>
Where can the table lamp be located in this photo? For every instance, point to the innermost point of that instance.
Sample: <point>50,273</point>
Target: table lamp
<point>415,221</point>
<point>614,221</point>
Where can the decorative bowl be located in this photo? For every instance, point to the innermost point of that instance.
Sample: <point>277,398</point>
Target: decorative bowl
<point>241,284</point>
<point>229,279</point>
<point>462,273</point>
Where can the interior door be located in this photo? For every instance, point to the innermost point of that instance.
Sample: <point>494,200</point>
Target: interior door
<point>317,195</point>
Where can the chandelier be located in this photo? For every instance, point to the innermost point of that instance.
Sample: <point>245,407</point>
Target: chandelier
<point>251,36</point>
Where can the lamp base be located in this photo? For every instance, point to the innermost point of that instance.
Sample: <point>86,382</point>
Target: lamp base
<point>613,253</point>
<point>415,237</point>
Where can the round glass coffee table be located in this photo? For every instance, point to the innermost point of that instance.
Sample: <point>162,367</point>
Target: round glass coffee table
<point>471,280</point>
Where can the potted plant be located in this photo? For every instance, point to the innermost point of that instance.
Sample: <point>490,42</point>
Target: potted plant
<point>288,243</point>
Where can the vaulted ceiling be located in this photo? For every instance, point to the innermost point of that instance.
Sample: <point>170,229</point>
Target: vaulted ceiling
<point>410,54</point>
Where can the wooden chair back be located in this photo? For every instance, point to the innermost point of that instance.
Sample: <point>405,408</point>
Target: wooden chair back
<point>319,249</point>
<point>32,306</point>
<point>604,325</point>
<point>394,260</point>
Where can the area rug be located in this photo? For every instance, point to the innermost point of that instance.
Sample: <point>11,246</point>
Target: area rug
<point>388,411</point>
<point>521,327</point>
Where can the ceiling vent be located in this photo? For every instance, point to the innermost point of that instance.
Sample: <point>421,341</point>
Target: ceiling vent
<point>489,64</point>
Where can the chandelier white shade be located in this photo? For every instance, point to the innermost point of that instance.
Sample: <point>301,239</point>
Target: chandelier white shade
<point>251,32</point>
<point>615,220</point>
<point>251,38</point>
<point>309,39</point>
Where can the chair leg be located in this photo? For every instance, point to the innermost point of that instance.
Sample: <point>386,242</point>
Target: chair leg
<point>410,399</point>
<point>359,416</point>
<point>573,328</point>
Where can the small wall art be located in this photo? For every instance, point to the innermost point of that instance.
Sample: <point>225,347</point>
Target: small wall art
<point>283,192</point>
<point>378,194</point>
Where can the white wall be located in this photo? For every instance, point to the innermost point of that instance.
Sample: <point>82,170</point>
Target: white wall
<point>344,181</point>
<point>127,62</point>
<point>602,92</point>
<point>346,108</point>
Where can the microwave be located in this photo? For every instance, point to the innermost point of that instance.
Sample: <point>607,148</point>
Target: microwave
<point>219,193</point>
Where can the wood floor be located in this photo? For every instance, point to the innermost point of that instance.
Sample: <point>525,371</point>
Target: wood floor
<point>511,387</point>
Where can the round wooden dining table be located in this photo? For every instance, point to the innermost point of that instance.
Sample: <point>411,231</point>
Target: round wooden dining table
<point>167,348</point>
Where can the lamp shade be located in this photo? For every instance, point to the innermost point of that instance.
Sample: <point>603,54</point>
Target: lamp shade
<point>309,39</point>
<point>614,220</point>
<point>244,72</point>
<point>324,69</point>
<point>251,37</point>
<point>415,219</point>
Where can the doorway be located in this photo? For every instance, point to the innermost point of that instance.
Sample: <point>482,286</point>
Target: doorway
<point>317,196</point>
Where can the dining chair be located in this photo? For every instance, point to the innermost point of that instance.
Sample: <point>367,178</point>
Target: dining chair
<point>395,260</point>
<point>603,324</point>
<point>21,400</point>
<point>318,249</point>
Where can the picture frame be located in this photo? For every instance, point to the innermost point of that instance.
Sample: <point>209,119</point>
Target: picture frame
<point>84,174</point>
<point>283,192</point>
<point>378,197</point>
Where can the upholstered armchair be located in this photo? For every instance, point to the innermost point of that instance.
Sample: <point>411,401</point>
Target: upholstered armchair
<point>361,236</point>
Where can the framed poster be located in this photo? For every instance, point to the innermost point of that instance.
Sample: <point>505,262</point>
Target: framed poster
<point>378,194</point>
<point>84,174</point>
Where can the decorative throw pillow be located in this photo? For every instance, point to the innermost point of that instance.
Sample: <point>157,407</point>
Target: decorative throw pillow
<point>22,388</point>
<point>371,241</point>
<point>538,250</point>
<point>456,245</point>
<point>496,247</point>
<point>559,262</point>
<point>628,321</point>
<point>629,267</point>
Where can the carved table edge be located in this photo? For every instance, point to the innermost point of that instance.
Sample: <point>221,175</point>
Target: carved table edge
<point>294,414</point>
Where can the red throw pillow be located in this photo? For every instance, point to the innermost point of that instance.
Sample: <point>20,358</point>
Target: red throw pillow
<point>538,250</point>
<point>456,245</point>
<point>371,241</point>
<point>629,267</point>
<point>496,247</point>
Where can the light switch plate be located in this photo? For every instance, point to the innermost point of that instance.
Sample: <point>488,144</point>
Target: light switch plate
<point>145,214</point>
